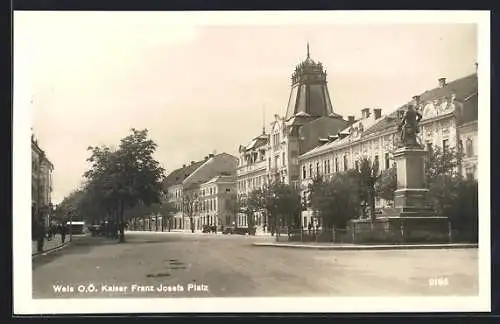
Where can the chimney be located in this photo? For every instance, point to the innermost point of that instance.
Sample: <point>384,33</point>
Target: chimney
<point>350,119</point>
<point>206,157</point>
<point>365,113</point>
<point>377,112</point>
<point>210,155</point>
<point>183,166</point>
<point>442,82</point>
<point>416,99</point>
<point>476,67</point>
<point>192,162</point>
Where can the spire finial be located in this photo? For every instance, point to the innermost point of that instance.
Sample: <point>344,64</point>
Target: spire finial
<point>263,119</point>
<point>308,56</point>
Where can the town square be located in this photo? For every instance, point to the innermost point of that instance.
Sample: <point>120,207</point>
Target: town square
<point>253,160</point>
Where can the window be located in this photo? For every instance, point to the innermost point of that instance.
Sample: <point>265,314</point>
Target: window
<point>304,175</point>
<point>469,150</point>
<point>356,165</point>
<point>345,162</point>
<point>310,170</point>
<point>269,163</point>
<point>445,145</point>
<point>325,171</point>
<point>284,159</point>
<point>228,190</point>
<point>336,165</point>
<point>376,161</point>
<point>317,169</point>
<point>387,161</point>
<point>429,147</point>
<point>469,171</point>
<point>460,147</point>
<point>328,166</point>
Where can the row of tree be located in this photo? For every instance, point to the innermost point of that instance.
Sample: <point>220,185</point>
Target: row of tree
<point>126,181</point>
<point>280,202</point>
<point>352,193</point>
<point>120,183</point>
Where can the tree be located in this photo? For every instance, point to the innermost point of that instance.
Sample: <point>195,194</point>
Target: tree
<point>251,204</point>
<point>189,206</point>
<point>336,200</point>
<point>441,161</point>
<point>166,209</point>
<point>386,184</point>
<point>283,203</point>
<point>232,206</point>
<point>126,176</point>
<point>369,174</point>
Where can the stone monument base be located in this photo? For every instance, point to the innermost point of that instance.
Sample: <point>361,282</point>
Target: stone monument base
<point>400,226</point>
<point>413,198</point>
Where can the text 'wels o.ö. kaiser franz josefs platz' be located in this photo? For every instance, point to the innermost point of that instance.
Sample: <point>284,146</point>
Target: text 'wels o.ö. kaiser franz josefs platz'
<point>312,139</point>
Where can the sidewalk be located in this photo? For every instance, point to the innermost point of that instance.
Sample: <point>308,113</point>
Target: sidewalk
<point>346,247</point>
<point>54,243</point>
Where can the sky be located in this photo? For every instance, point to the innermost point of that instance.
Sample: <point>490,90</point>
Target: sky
<point>201,86</point>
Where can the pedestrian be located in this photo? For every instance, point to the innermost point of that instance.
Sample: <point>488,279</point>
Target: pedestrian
<point>41,236</point>
<point>63,233</point>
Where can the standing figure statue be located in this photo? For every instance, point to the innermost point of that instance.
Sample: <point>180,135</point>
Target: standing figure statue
<point>409,127</point>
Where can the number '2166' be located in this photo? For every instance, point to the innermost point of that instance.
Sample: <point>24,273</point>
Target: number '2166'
<point>438,282</point>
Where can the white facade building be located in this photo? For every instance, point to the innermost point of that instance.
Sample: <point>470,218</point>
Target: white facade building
<point>449,120</point>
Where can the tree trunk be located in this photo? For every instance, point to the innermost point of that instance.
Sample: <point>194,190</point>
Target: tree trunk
<point>156,223</point>
<point>121,226</point>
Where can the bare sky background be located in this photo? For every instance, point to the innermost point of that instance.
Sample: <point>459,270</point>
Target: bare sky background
<point>93,76</point>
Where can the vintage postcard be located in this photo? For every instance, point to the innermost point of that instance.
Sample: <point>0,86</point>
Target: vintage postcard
<point>251,162</point>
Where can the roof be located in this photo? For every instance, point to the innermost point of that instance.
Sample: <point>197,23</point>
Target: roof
<point>469,110</point>
<point>220,178</point>
<point>177,176</point>
<point>319,128</point>
<point>257,142</point>
<point>464,90</point>
<point>349,132</point>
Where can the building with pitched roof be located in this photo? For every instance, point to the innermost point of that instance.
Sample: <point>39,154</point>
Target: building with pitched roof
<point>273,156</point>
<point>449,119</point>
<point>183,186</point>
<point>41,183</point>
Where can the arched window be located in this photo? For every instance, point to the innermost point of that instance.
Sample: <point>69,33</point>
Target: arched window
<point>304,175</point>
<point>317,169</point>
<point>345,163</point>
<point>310,170</point>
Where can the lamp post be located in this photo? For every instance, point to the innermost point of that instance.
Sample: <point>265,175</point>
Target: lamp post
<point>70,225</point>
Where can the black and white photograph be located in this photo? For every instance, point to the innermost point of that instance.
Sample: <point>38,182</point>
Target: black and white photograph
<point>251,161</point>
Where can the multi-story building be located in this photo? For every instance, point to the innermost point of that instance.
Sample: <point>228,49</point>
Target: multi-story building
<point>184,188</point>
<point>214,194</point>
<point>41,183</point>
<point>449,118</point>
<point>309,116</point>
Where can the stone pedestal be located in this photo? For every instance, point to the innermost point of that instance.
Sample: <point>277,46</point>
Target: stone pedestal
<point>412,215</point>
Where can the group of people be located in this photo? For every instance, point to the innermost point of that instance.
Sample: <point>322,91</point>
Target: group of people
<point>57,229</point>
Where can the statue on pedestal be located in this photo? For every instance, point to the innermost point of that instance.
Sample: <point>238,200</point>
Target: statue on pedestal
<point>409,127</point>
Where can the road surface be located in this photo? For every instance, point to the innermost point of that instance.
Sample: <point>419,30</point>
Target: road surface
<point>207,265</point>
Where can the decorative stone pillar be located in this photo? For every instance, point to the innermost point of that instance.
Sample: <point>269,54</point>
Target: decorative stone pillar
<point>410,166</point>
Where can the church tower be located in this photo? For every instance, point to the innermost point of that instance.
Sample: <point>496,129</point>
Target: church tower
<point>309,97</point>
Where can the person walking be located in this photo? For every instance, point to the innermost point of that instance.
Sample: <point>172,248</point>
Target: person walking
<point>63,233</point>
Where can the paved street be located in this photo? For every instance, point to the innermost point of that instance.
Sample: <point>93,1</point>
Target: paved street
<point>208,265</point>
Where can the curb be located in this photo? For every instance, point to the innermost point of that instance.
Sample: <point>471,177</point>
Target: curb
<point>50,251</point>
<point>370,247</point>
